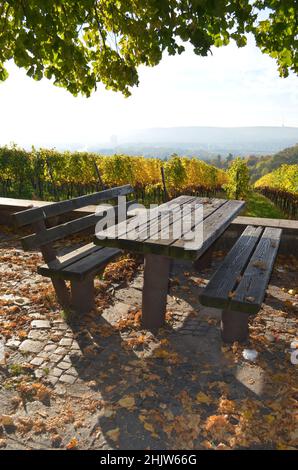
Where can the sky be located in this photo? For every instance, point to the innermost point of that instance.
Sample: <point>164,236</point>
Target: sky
<point>231,87</point>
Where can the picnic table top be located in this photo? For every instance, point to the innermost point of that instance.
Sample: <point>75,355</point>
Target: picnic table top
<point>160,237</point>
<point>19,204</point>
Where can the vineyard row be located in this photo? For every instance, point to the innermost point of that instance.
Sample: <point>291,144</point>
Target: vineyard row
<point>52,175</point>
<point>287,202</point>
<point>281,186</point>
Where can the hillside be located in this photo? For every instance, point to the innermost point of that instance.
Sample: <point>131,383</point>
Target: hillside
<point>284,178</point>
<point>263,165</point>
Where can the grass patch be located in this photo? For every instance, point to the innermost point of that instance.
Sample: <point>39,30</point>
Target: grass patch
<point>67,315</point>
<point>258,205</point>
<point>16,369</point>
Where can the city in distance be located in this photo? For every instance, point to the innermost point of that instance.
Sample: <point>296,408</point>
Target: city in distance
<point>204,142</point>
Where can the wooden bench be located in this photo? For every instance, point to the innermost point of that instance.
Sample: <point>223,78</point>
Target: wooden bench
<point>80,265</point>
<point>239,285</point>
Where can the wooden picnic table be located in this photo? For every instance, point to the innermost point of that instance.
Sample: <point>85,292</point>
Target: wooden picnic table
<point>159,250</point>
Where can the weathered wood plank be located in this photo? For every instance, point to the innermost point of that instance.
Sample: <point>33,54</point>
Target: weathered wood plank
<point>90,264</point>
<point>63,261</point>
<point>31,215</point>
<point>155,290</point>
<point>286,224</point>
<point>250,292</point>
<point>213,226</point>
<point>69,228</point>
<point>220,219</point>
<point>152,229</point>
<point>17,204</point>
<point>234,326</point>
<point>188,216</point>
<point>126,227</point>
<point>81,267</point>
<point>223,282</point>
<point>139,242</point>
<point>153,226</point>
<point>83,295</point>
<point>49,254</point>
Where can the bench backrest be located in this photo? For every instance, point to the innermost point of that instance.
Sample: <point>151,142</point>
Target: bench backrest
<point>37,217</point>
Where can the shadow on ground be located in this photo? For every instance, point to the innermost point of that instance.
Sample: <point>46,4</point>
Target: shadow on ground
<point>112,385</point>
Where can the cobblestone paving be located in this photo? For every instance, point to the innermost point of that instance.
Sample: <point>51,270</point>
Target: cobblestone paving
<point>99,381</point>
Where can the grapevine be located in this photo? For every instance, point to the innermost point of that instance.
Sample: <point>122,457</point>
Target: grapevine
<point>281,186</point>
<point>48,174</point>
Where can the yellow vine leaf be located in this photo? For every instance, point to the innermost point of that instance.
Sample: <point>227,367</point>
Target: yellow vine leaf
<point>114,434</point>
<point>203,398</point>
<point>127,402</point>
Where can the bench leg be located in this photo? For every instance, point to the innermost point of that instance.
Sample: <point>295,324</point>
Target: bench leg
<point>83,295</point>
<point>155,290</point>
<point>204,261</point>
<point>234,326</point>
<point>171,274</point>
<point>62,292</point>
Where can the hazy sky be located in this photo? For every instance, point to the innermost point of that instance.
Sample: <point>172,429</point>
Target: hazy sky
<point>233,87</point>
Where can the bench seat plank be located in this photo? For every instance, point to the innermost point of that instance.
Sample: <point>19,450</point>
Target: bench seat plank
<point>251,290</point>
<point>79,263</point>
<point>216,294</point>
<point>62,262</point>
<point>240,282</point>
<point>91,264</point>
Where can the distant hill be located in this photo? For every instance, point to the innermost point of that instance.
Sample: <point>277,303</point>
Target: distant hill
<point>202,141</point>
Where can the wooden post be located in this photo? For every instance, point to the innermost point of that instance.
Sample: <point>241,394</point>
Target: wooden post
<point>234,326</point>
<point>204,261</point>
<point>165,193</point>
<point>52,179</point>
<point>82,295</point>
<point>49,255</point>
<point>155,290</point>
<point>99,175</point>
<point>165,199</point>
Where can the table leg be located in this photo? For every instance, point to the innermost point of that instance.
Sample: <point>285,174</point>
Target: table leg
<point>155,290</point>
<point>234,326</point>
<point>204,261</point>
<point>83,295</point>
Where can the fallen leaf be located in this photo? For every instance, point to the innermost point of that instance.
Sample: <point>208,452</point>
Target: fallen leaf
<point>148,427</point>
<point>226,406</point>
<point>219,427</point>
<point>203,398</point>
<point>114,434</point>
<point>73,444</point>
<point>7,420</point>
<point>127,402</point>
<point>250,299</point>
<point>260,264</point>
<point>108,413</point>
